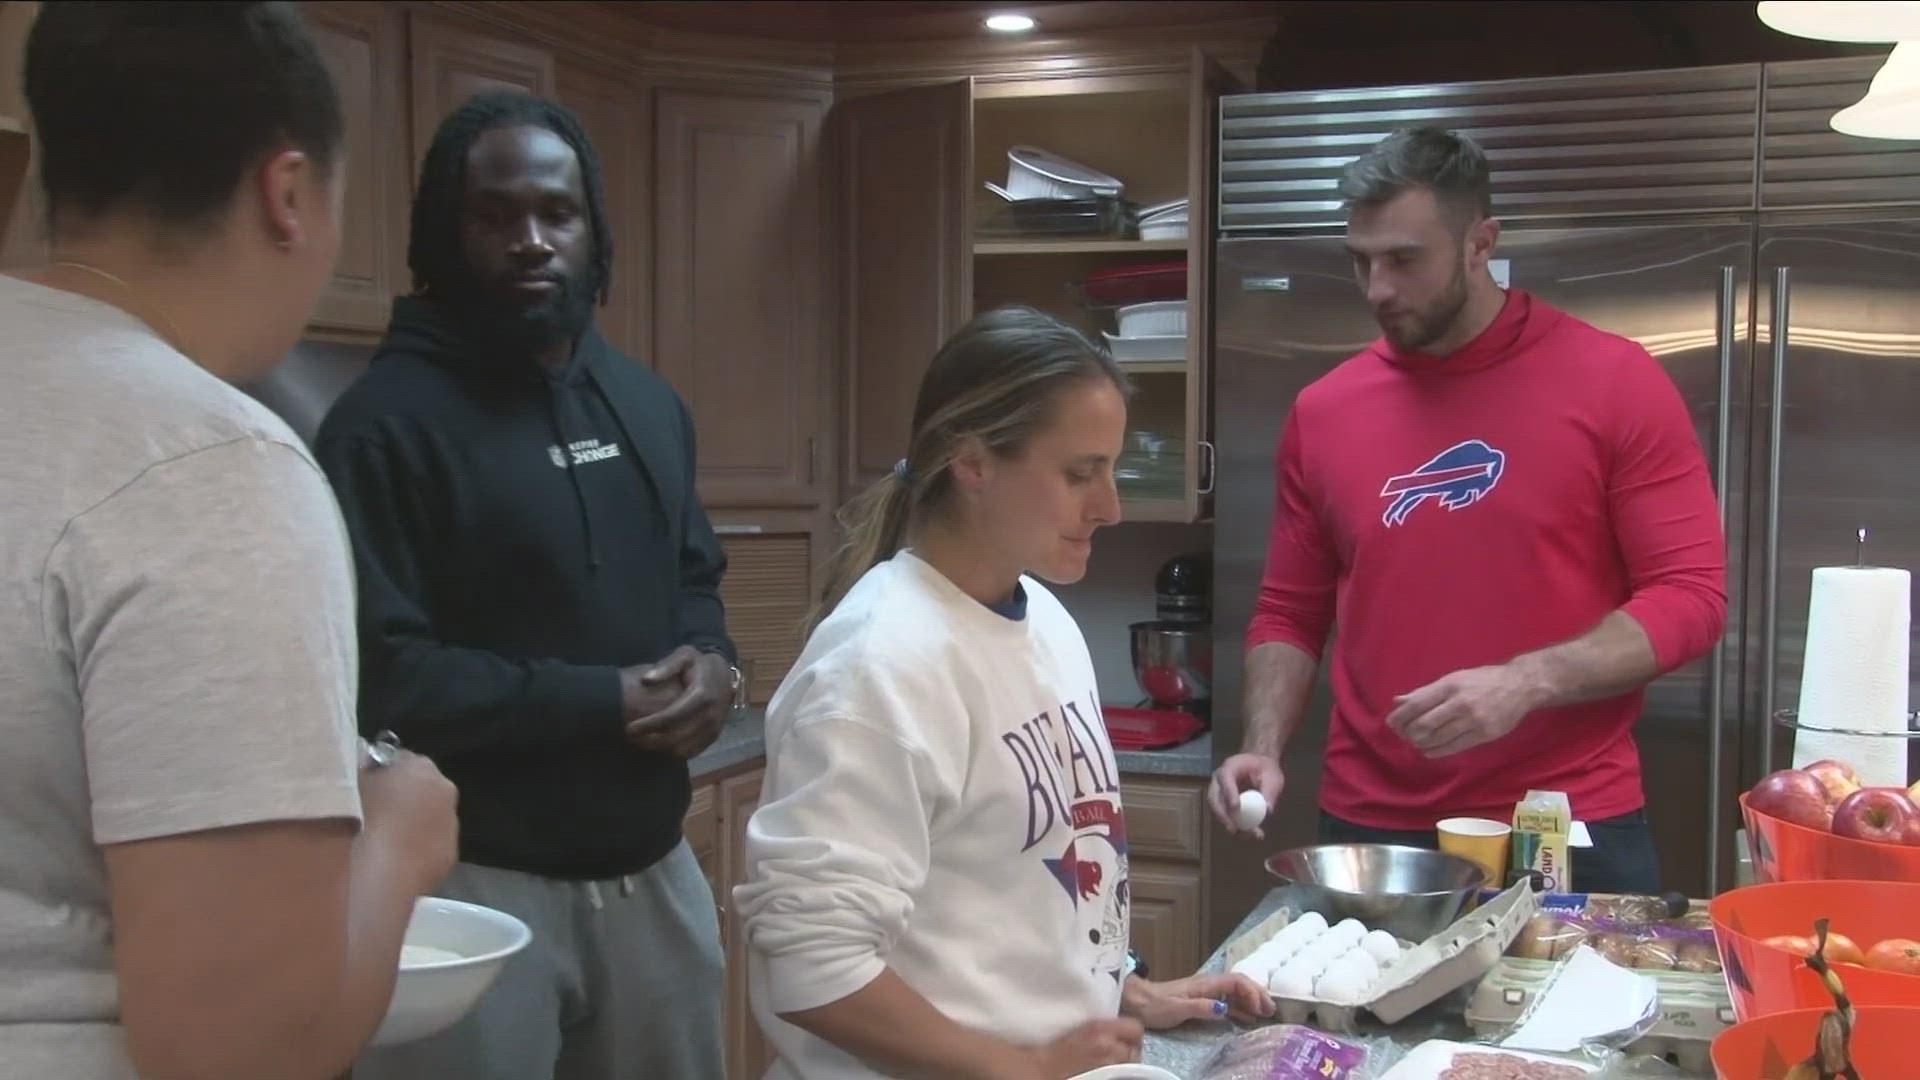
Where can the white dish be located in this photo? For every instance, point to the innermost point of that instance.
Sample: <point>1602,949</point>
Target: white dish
<point>1162,318</point>
<point>1157,349</point>
<point>432,996</point>
<point>1164,230</point>
<point>1127,1072</point>
<point>1033,173</point>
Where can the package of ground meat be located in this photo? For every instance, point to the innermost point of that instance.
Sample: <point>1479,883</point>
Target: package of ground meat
<point>1441,1060</point>
<point>1287,1052</point>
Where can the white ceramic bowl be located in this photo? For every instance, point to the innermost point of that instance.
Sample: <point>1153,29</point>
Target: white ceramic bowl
<point>429,998</point>
<point>1127,1072</point>
<point>1158,318</point>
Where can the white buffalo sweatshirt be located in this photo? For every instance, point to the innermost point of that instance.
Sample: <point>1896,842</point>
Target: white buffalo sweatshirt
<point>941,799</point>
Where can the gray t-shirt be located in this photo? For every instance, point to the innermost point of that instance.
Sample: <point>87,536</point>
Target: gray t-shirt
<point>176,645</point>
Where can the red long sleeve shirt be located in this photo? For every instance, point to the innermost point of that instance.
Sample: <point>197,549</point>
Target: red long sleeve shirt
<point>1452,512</point>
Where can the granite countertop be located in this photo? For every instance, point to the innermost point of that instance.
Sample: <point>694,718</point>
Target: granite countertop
<point>744,739</point>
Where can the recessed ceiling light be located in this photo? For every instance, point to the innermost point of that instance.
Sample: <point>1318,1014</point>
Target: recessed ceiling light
<point>1010,23</point>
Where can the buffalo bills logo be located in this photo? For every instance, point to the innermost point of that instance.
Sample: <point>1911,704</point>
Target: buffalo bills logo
<point>1459,476</point>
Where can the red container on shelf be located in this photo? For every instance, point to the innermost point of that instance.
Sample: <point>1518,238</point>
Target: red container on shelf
<point>1783,851</point>
<point>1140,283</point>
<point>1764,1049</point>
<point>1150,729</point>
<point>1764,979</point>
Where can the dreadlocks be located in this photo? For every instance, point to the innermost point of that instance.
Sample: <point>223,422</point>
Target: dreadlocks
<point>433,250</point>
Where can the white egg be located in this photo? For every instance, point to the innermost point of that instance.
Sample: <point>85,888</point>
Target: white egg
<point>1339,985</point>
<point>1251,811</point>
<point>1351,931</point>
<point>1292,982</point>
<point>1315,922</point>
<point>1358,960</point>
<point>1381,946</point>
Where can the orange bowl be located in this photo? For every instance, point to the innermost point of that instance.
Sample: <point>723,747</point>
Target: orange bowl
<point>1763,979</point>
<point>1764,1049</point>
<point>1783,851</point>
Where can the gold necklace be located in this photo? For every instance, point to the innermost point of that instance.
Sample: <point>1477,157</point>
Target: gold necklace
<point>168,332</point>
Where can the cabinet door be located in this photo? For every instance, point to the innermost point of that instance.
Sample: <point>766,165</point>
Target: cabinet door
<point>23,241</point>
<point>905,162</point>
<point>738,329</point>
<point>451,65</point>
<point>610,109</point>
<point>363,44</point>
<point>748,1054</point>
<point>1166,916</point>
<point>702,830</point>
<point>1208,82</point>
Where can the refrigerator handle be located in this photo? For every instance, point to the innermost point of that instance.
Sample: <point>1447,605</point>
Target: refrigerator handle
<point>1770,595</point>
<point>1208,463</point>
<point>1717,667</point>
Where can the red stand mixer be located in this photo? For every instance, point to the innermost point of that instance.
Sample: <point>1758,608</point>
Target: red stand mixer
<point>1172,660</point>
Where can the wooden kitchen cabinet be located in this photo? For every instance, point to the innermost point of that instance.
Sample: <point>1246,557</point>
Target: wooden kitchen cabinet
<point>748,1054</point>
<point>738,325</point>
<point>1166,870</point>
<point>772,581</point>
<point>901,160</point>
<point>605,104</point>
<point>721,807</point>
<point>1153,130</point>
<point>365,45</point>
<point>451,64</point>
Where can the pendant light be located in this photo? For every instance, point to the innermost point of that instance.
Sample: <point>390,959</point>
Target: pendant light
<point>1891,109</point>
<point>1844,20</point>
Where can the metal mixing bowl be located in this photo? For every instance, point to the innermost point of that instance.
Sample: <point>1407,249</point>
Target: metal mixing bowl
<point>1409,892</point>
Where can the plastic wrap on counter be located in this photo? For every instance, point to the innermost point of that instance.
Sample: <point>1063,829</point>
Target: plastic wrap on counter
<point>1649,933</point>
<point>1293,1052</point>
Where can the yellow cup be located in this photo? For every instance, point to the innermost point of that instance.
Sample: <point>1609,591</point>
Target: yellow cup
<point>1481,841</point>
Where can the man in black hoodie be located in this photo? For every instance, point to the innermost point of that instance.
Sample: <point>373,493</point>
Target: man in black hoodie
<point>539,610</point>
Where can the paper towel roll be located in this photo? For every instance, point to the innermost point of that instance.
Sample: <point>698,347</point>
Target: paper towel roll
<point>1854,674</point>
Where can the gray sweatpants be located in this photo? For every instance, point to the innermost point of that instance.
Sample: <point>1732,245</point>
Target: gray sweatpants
<point>621,982</point>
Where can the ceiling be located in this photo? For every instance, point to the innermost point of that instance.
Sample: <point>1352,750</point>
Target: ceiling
<point>865,21</point>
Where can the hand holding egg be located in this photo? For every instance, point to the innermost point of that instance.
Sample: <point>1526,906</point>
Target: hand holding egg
<point>1251,811</point>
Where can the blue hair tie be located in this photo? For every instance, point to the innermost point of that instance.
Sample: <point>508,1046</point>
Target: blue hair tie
<point>902,471</point>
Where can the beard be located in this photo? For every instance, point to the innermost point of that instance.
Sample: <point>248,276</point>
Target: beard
<point>1414,331</point>
<point>519,327</point>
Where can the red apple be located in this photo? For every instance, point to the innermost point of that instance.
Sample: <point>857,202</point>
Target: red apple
<point>1883,815</point>
<point>1837,777</point>
<point>1792,795</point>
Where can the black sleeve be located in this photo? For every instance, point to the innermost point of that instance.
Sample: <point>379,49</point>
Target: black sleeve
<point>440,698</point>
<point>700,615</point>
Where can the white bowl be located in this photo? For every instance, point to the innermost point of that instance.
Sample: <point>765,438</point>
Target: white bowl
<point>1149,349</point>
<point>1127,1072</point>
<point>1033,173</point>
<point>430,997</point>
<point>1157,318</point>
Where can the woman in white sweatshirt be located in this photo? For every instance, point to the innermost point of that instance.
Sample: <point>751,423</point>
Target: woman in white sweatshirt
<point>939,861</point>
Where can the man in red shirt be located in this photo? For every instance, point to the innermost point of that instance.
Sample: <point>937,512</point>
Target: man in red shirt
<point>1507,513</point>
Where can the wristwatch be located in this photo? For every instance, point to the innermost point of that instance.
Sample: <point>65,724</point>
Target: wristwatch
<point>1135,965</point>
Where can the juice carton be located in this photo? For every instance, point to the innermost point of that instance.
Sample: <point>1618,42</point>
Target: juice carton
<point>1541,824</point>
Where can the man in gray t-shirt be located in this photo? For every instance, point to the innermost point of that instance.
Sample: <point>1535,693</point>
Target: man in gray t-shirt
<point>196,877</point>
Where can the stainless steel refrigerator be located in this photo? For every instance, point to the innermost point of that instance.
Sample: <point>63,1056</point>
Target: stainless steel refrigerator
<point>1696,211</point>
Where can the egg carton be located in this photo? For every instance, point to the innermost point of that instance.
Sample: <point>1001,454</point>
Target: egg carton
<point>1694,1007</point>
<point>1425,972</point>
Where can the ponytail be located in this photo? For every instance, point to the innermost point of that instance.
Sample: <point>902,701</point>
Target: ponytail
<point>875,526</point>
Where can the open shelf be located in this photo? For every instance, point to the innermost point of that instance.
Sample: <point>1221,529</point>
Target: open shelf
<point>1074,247</point>
<point>1157,367</point>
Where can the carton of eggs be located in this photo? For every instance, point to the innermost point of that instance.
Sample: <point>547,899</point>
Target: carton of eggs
<point>1310,960</point>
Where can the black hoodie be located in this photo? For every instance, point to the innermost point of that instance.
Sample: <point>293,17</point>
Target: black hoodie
<point>520,536</point>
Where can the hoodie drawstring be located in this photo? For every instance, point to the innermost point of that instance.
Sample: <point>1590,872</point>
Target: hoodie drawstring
<point>557,405</point>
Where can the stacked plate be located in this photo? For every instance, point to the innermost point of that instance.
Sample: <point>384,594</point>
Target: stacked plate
<point>1151,466</point>
<point>1165,221</point>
